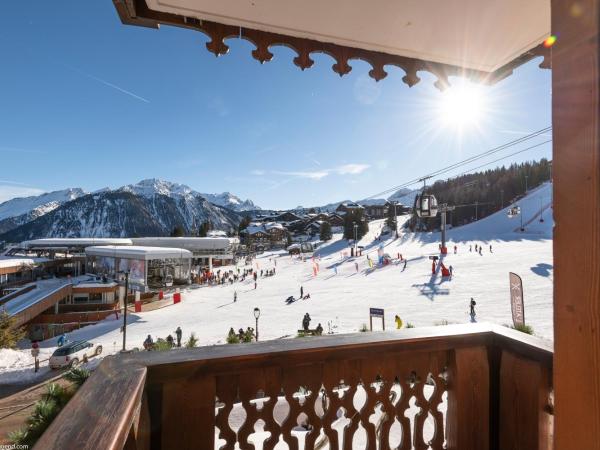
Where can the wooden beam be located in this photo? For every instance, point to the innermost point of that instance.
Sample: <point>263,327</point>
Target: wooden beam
<point>576,169</point>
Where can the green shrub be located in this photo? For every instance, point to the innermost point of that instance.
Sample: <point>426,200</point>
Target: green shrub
<point>77,375</point>
<point>233,339</point>
<point>162,345</point>
<point>528,329</point>
<point>192,342</point>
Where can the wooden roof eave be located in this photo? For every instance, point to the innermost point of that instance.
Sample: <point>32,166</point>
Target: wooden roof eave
<point>136,12</point>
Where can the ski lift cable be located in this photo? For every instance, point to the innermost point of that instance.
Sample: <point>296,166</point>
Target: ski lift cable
<point>469,160</point>
<point>466,161</point>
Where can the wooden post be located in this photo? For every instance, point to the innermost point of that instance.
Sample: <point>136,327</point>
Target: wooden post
<point>188,412</point>
<point>468,400</point>
<point>576,171</point>
<point>524,391</point>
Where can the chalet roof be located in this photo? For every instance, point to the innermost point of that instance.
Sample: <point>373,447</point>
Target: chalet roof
<point>482,40</point>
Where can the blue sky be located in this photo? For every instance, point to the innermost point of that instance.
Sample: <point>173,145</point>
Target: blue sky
<point>88,102</point>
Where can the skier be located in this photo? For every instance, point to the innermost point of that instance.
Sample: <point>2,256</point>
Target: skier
<point>470,248</point>
<point>404,265</point>
<point>356,266</point>
<point>450,269</point>
<point>301,292</point>
<point>398,321</point>
<point>472,309</point>
<point>178,333</point>
<point>234,296</point>
<point>148,343</point>
<point>475,248</point>
<point>480,250</point>
<point>455,249</point>
<point>491,248</point>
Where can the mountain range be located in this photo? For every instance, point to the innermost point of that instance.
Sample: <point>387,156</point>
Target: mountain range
<point>149,208</point>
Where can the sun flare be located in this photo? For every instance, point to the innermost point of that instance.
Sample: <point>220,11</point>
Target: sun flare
<point>462,106</point>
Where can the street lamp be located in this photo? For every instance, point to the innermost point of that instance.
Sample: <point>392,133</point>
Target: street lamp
<point>355,236</point>
<point>125,308</point>
<point>256,316</point>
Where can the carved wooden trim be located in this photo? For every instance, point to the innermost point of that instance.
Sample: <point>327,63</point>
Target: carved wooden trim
<point>136,12</point>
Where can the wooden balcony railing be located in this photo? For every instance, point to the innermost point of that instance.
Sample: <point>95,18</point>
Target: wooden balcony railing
<point>461,387</point>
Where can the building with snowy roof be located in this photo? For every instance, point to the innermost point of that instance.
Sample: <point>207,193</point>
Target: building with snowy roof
<point>206,251</point>
<point>148,267</point>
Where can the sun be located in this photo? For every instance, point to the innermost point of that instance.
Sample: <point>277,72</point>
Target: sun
<point>462,106</point>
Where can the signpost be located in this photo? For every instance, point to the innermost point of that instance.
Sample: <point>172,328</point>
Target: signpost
<point>517,305</point>
<point>378,313</point>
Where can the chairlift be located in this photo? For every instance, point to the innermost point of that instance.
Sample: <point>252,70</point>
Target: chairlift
<point>513,212</point>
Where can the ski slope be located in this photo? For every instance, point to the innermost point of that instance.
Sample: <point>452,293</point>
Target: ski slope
<point>341,301</point>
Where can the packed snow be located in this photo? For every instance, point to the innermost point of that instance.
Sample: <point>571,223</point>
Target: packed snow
<point>340,295</point>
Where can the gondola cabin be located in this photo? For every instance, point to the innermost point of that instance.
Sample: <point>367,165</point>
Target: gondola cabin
<point>426,205</point>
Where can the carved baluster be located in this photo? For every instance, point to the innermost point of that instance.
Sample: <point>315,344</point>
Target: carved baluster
<point>227,389</point>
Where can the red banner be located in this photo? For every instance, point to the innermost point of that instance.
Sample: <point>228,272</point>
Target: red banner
<point>516,299</point>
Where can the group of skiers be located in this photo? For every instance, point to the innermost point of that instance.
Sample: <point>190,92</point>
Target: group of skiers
<point>243,336</point>
<point>478,249</point>
<point>306,325</point>
<point>149,343</point>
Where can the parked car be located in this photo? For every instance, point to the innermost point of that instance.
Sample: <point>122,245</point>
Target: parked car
<point>73,353</point>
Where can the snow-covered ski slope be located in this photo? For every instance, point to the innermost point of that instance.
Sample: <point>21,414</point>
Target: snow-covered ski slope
<point>343,299</point>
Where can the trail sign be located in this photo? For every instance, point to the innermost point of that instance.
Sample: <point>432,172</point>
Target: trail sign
<point>377,313</point>
<point>517,304</point>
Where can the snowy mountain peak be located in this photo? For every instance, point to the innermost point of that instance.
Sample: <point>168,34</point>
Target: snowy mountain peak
<point>228,200</point>
<point>40,204</point>
<point>154,186</point>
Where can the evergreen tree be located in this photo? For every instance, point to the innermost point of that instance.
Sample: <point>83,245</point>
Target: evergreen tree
<point>355,216</point>
<point>178,231</point>
<point>9,333</point>
<point>244,223</point>
<point>325,231</point>
<point>204,229</point>
<point>390,221</point>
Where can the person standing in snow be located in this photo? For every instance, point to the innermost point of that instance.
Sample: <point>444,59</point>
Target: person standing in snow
<point>398,321</point>
<point>455,249</point>
<point>491,248</point>
<point>356,266</point>
<point>480,250</point>
<point>178,333</point>
<point>472,309</point>
<point>450,270</point>
<point>306,322</point>
<point>170,340</point>
<point>148,343</point>
<point>234,296</point>
<point>470,248</point>
<point>301,292</point>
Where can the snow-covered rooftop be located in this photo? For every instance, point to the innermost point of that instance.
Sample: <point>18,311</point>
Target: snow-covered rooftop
<point>138,252</point>
<point>7,261</point>
<point>73,242</point>
<point>188,243</point>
